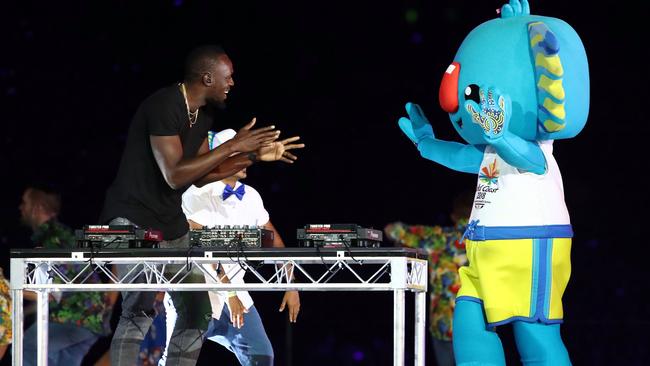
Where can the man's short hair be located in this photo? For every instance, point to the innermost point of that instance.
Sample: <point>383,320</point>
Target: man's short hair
<point>47,197</point>
<point>201,60</point>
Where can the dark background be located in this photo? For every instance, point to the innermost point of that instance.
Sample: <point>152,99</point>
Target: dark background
<point>337,73</point>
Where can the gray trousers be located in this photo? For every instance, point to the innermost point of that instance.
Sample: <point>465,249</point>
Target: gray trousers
<point>193,310</point>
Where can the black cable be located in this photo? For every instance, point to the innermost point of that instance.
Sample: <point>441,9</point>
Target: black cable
<point>239,250</point>
<point>92,256</point>
<point>188,264</point>
<point>95,249</point>
<point>322,259</point>
<point>117,240</point>
<point>217,268</point>
<point>345,244</point>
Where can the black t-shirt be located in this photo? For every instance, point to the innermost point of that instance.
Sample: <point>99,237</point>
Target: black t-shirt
<point>139,192</point>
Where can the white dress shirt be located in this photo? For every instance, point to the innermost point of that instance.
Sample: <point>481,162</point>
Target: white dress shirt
<point>206,207</point>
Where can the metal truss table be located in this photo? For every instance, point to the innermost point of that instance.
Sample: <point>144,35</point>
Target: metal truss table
<point>326,269</point>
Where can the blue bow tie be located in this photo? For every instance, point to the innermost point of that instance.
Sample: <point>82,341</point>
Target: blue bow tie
<point>228,191</point>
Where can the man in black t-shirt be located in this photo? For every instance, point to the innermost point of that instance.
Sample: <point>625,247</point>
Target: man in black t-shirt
<point>166,151</point>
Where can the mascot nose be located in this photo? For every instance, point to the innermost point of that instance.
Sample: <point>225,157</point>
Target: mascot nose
<point>448,95</point>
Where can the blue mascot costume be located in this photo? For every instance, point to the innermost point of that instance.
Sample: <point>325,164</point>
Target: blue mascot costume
<point>517,83</point>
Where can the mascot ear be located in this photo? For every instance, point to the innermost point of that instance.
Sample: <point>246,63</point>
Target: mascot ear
<point>545,51</point>
<point>515,8</point>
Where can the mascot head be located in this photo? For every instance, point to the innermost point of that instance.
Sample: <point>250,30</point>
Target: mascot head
<point>539,62</point>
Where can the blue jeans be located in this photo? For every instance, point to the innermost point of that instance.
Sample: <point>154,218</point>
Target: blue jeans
<point>67,344</point>
<point>250,343</point>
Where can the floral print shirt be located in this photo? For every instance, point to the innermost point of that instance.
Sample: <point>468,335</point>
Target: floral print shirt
<point>446,253</point>
<point>90,310</point>
<point>5,311</point>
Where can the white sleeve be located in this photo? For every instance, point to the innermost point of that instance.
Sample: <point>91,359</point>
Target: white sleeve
<point>196,204</point>
<point>259,212</point>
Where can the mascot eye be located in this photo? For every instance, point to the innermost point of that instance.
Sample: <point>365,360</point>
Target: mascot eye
<point>471,93</point>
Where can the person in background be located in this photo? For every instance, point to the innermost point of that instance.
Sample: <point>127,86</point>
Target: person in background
<point>235,322</point>
<point>5,315</point>
<point>76,319</point>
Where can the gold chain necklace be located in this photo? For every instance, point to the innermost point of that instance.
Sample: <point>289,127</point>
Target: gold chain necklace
<point>192,116</point>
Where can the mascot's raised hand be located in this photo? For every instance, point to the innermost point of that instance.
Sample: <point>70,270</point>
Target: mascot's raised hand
<point>492,114</point>
<point>416,126</point>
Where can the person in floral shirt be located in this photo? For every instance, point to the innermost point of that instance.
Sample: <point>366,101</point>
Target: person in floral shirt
<point>445,248</point>
<point>76,319</point>
<point>5,315</point>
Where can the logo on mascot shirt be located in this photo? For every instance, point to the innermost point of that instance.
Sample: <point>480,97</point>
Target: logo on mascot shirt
<point>488,183</point>
<point>489,174</point>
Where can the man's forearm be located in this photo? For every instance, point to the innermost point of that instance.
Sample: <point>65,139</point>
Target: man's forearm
<point>190,171</point>
<point>30,295</point>
<point>277,239</point>
<point>180,172</point>
<point>226,169</point>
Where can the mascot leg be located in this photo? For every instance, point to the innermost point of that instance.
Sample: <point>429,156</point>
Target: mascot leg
<point>474,344</point>
<point>540,344</point>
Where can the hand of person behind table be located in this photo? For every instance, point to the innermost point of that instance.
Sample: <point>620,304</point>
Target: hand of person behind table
<point>291,300</point>
<point>278,150</point>
<point>237,311</point>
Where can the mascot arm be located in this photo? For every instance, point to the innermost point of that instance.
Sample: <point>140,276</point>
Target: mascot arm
<point>493,115</point>
<point>522,154</point>
<point>464,158</point>
<point>453,155</point>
